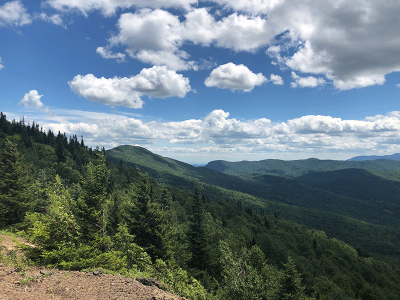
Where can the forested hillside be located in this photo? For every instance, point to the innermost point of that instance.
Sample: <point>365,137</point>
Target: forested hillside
<point>350,204</point>
<point>204,241</point>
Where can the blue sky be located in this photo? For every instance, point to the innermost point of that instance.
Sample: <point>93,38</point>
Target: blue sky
<point>205,80</point>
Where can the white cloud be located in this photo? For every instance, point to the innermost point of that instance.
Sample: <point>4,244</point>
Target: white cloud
<point>156,82</point>
<point>152,37</point>
<point>109,7</point>
<point>234,77</point>
<point>251,6</point>
<point>217,132</point>
<point>14,14</point>
<point>55,19</point>
<point>235,31</point>
<point>107,54</point>
<point>32,99</point>
<point>276,79</point>
<point>1,66</point>
<point>353,43</point>
<point>156,36</point>
<point>309,81</point>
<point>398,85</point>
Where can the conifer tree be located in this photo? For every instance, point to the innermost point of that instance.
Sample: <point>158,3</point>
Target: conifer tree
<point>196,234</point>
<point>147,222</point>
<point>290,283</point>
<point>92,202</point>
<point>15,198</point>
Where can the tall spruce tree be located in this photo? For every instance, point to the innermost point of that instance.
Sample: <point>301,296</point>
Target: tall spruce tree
<point>290,287</point>
<point>91,205</point>
<point>15,198</point>
<point>147,222</point>
<point>196,234</point>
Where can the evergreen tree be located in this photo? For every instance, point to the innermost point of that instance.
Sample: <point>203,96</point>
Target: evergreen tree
<point>92,201</point>
<point>196,234</point>
<point>3,123</point>
<point>60,152</point>
<point>15,198</point>
<point>290,283</point>
<point>146,221</point>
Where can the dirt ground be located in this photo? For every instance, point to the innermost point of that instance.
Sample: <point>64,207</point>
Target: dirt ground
<point>41,283</point>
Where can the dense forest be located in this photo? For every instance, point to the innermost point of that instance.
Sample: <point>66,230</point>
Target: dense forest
<point>85,209</point>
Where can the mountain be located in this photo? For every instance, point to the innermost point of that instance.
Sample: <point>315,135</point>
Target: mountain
<point>295,168</point>
<point>348,203</point>
<point>395,156</point>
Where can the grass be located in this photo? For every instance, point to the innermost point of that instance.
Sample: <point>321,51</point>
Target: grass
<point>27,280</point>
<point>12,258</point>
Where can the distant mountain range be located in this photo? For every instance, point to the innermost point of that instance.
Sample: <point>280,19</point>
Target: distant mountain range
<point>356,201</point>
<point>296,168</point>
<point>395,156</point>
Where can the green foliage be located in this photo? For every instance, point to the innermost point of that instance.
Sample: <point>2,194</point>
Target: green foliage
<point>91,204</point>
<point>196,234</point>
<point>246,275</point>
<point>290,287</point>
<point>15,198</point>
<point>179,281</point>
<point>146,221</point>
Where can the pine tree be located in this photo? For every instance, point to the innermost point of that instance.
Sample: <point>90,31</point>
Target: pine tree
<point>147,222</point>
<point>60,152</point>
<point>92,202</point>
<point>196,234</point>
<point>15,198</point>
<point>290,283</point>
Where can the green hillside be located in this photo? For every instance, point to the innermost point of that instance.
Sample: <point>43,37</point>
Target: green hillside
<point>356,183</point>
<point>322,206</point>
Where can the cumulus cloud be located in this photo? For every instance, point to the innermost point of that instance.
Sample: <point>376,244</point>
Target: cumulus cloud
<point>109,7</point>
<point>276,79</point>
<point>351,42</point>
<point>156,36</point>
<point>156,82</point>
<point>107,54</point>
<point>1,66</point>
<point>152,37</point>
<point>309,81</point>
<point>32,99</point>
<point>14,14</point>
<point>234,77</point>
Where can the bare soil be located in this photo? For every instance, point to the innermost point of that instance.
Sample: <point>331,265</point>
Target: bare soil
<point>41,283</point>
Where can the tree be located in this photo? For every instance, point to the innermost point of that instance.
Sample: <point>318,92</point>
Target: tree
<point>147,222</point>
<point>246,275</point>
<point>290,283</point>
<point>15,198</point>
<point>196,234</point>
<point>91,204</point>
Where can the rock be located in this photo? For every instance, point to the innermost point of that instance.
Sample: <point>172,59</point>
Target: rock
<point>45,273</point>
<point>151,282</point>
<point>98,272</point>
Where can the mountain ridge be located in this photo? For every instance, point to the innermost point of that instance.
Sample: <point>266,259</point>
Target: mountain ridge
<point>395,156</point>
<point>293,197</point>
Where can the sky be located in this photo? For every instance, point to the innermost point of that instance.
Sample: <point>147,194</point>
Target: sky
<point>206,80</point>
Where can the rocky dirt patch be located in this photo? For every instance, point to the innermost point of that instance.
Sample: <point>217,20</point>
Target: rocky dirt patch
<point>41,283</point>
